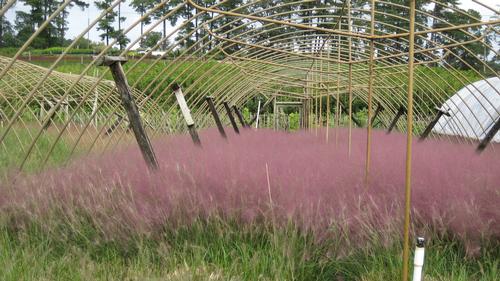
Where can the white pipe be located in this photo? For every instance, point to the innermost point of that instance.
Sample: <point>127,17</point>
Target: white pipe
<point>258,115</point>
<point>418,261</point>
<point>94,107</point>
<point>184,107</point>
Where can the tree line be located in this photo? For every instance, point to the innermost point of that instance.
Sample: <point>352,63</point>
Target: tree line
<point>192,37</point>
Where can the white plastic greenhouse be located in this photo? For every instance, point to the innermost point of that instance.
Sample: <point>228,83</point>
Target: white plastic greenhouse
<point>473,111</point>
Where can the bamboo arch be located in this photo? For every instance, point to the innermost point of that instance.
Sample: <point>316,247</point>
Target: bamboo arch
<point>311,55</point>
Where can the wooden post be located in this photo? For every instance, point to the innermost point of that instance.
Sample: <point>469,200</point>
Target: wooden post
<point>186,113</point>
<point>115,64</point>
<point>231,117</point>
<point>489,136</point>
<point>428,129</point>
<point>400,113</point>
<point>211,106</point>
<point>240,117</point>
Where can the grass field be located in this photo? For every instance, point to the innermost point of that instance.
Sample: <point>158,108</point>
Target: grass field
<point>262,206</point>
<point>217,214</point>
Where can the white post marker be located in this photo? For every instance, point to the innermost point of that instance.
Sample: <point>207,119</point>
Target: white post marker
<point>258,113</point>
<point>186,113</point>
<point>418,261</point>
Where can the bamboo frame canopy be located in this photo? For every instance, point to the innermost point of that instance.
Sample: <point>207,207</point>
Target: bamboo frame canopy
<point>305,51</point>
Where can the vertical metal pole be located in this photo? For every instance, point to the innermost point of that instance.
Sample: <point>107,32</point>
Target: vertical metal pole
<point>186,113</point>
<point>350,76</point>
<point>370,94</point>
<point>115,64</point>
<point>320,95</point>
<point>327,114</point>
<point>316,99</point>
<point>231,117</point>
<point>211,106</point>
<point>328,94</point>
<point>411,55</point>
<point>337,107</point>
<point>240,117</point>
<point>258,116</point>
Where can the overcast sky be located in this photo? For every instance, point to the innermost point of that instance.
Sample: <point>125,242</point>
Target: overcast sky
<point>79,19</point>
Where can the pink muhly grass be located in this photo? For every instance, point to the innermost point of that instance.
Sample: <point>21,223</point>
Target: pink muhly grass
<point>315,184</point>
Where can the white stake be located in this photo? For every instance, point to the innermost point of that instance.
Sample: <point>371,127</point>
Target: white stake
<point>183,106</point>
<point>186,113</point>
<point>418,261</point>
<point>258,115</point>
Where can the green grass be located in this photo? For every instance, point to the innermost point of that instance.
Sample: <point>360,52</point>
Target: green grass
<point>18,141</point>
<point>223,249</point>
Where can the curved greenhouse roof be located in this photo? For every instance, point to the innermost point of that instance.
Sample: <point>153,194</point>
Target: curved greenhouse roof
<point>473,111</point>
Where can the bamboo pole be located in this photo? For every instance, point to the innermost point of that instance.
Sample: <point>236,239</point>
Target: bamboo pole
<point>337,99</point>
<point>328,98</point>
<point>320,117</point>
<point>370,94</point>
<point>406,245</point>
<point>349,147</point>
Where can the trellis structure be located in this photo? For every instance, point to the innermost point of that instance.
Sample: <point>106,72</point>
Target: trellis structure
<point>331,53</point>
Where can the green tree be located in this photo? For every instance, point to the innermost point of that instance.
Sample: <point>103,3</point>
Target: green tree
<point>160,12</point>
<point>142,7</point>
<point>61,21</point>
<point>27,22</point>
<point>471,54</point>
<point>151,39</point>
<point>106,23</point>
<point>118,35</point>
<point>6,31</point>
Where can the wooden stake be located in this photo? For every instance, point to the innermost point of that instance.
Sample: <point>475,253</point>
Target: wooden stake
<point>433,123</point>
<point>240,117</point>
<point>186,113</point>
<point>231,117</point>
<point>115,65</point>
<point>377,112</point>
<point>400,113</point>
<point>211,106</point>
<point>489,136</point>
